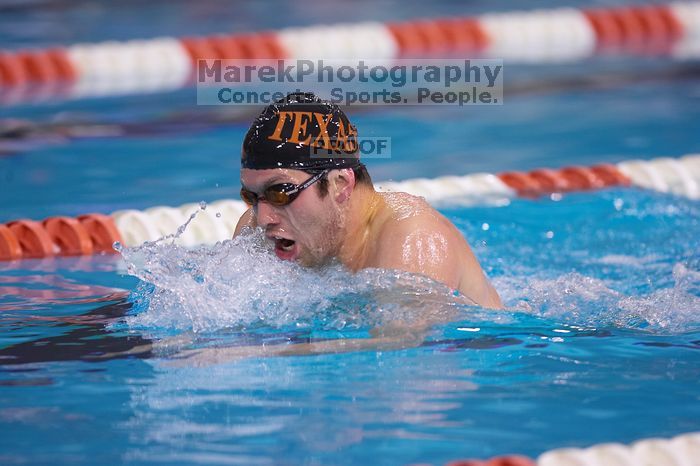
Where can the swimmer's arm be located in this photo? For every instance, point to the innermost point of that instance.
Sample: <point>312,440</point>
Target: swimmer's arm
<point>476,283</point>
<point>214,355</point>
<point>393,335</point>
<point>246,220</point>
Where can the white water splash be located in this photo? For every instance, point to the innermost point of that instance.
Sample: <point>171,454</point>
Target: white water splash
<point>583,300</point>
<point>669,308</point>
<point>240,283</point>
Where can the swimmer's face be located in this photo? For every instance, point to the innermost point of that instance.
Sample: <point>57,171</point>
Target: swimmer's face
<point>308,229</point>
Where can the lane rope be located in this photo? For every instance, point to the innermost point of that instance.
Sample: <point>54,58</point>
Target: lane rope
<point>539,36</point>
<point>96,233</point>
<point>682,450</point>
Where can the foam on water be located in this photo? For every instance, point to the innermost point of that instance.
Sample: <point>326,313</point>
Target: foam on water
<point>578,299</point>
<point>241,283</point>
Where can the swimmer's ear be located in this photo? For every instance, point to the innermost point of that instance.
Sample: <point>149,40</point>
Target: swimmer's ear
<point>343,183</point>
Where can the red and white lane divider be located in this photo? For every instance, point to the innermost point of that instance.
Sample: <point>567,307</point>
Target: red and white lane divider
<point>683,450</point>
<point>141,66</point>
<point>95,233</point>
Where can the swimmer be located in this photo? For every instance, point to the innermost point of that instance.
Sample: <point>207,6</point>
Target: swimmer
<point>307,189</point>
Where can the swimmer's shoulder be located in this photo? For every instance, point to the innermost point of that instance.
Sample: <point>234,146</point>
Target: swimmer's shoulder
<point>246,220</point>
<point>403,206</point>
<point>406,213</point>
<point>414,237</point>
<point>416,226</point>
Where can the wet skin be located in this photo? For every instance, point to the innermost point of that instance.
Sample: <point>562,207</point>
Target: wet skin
<point>363,228</point>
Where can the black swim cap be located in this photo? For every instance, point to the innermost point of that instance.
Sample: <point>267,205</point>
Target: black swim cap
<point>302,132</point>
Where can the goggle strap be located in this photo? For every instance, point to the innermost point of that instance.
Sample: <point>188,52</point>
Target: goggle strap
<point>310,181</point>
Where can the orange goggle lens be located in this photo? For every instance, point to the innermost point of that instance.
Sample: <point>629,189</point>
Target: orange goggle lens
<point>275,195</point>
<point>281,194</point>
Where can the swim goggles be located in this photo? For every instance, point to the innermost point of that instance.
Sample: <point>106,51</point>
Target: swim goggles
<point>282,194</point>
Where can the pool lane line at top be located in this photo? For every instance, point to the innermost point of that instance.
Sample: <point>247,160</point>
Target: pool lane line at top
<point>96,233</point>
<point>540,36</point>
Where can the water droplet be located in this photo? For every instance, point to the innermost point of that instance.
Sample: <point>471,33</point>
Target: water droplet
<point>218,215</point>
<point>117,246</point>
<point>549,234</point>
<point>485,226</point>
<point>202,205</point>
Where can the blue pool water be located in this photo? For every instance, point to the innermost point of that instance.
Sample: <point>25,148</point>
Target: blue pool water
<point>601,341</point>
<point>604,348</point>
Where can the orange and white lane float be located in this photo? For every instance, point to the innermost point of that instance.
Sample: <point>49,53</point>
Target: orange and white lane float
<point>96,233</point>
<point>683,450</point>
<point>540,36</point>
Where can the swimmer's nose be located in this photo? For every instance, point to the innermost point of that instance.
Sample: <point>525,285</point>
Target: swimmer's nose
<point>265,215</point>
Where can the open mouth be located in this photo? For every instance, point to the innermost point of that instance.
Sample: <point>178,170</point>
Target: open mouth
<point>284,244</point>
<point>285,248</point>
